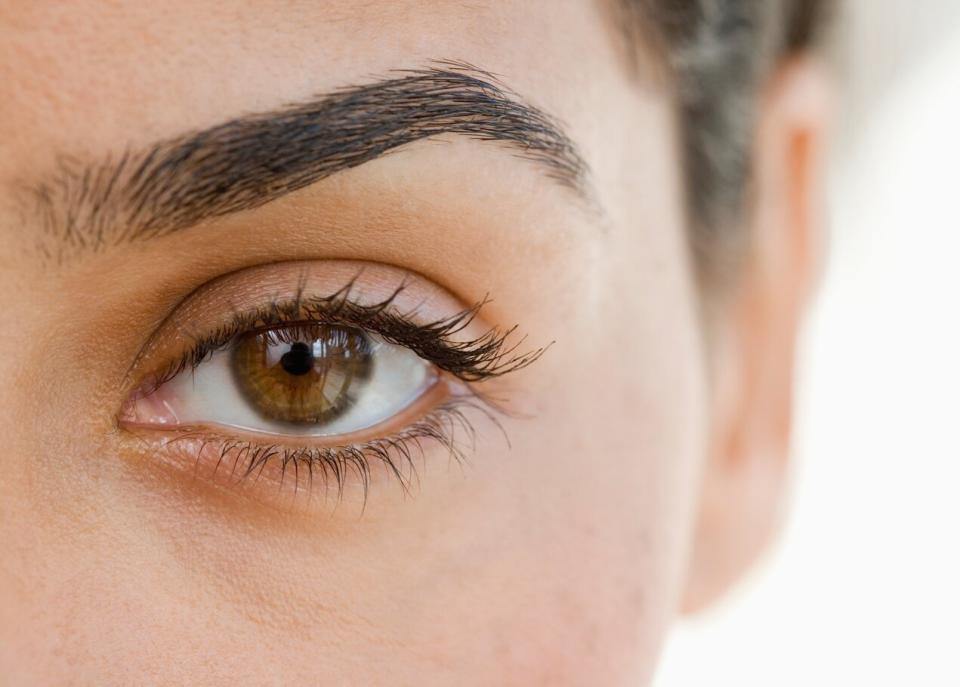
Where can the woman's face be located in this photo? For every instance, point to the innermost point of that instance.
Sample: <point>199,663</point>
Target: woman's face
<point>161,522</point>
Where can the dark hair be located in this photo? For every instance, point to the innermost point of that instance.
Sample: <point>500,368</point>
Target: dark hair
<point>717,54</point>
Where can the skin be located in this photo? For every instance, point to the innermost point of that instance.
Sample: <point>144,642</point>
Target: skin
<point>647,446</point>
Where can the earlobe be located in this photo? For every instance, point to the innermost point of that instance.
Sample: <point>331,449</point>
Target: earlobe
<point>755,337</point>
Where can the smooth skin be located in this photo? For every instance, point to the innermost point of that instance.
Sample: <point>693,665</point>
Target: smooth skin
<point>647,447</point>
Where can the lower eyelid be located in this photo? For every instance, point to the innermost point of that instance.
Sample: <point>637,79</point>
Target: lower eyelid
<point>274,470</point>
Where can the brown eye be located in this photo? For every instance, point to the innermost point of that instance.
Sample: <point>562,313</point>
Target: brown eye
<point>302,374</point>
<point>304,379</point>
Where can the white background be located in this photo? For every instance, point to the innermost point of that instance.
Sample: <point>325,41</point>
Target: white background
<point>864,587</point>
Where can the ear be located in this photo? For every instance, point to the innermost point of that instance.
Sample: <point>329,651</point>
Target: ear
<point>755,334</point>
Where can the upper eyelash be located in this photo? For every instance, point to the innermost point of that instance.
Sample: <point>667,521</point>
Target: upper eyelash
<point>486,356</point>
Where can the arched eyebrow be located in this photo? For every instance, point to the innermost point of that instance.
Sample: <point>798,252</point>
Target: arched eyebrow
<point>252,160</point>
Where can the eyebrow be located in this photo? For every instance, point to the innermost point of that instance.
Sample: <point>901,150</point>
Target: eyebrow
<point>252,160</point>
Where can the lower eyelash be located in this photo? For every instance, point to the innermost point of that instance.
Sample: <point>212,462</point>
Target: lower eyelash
<point>446,425</point>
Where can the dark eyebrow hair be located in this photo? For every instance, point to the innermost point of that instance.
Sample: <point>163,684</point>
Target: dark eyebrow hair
<point>252,160</point>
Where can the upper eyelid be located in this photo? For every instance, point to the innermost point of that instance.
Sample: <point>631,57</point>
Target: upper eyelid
<point>487,355</point>
<point>151,341</point>
<point>358,269</point>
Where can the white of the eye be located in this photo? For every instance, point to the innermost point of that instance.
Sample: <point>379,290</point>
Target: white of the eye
<point>209,395</point>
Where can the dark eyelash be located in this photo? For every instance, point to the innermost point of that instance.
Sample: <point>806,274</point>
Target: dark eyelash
<point>484,357</point>
<point>444,425</point>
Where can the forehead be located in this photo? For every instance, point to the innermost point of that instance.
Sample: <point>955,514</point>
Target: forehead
<point>147,70</point>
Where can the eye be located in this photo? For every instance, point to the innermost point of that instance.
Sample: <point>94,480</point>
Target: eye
<point>305,379</point>
<point>283,379</point>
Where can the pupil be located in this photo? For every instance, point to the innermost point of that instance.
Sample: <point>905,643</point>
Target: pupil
<point>298,360</point>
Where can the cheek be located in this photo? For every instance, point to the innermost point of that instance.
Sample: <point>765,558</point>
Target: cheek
<point>564,561</point>
<point>604,515</point>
